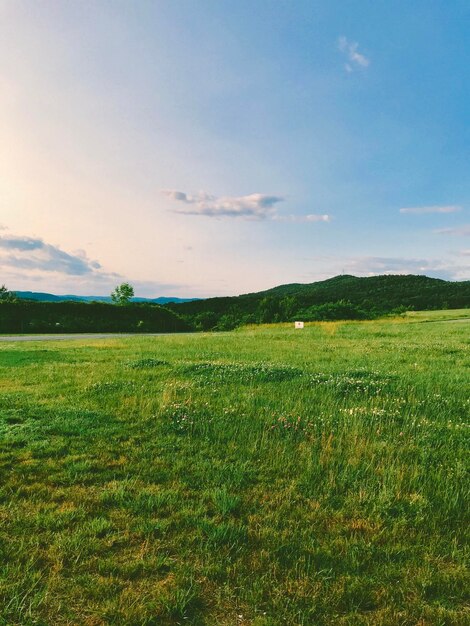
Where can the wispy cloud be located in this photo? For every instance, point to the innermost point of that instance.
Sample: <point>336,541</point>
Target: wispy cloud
<point>421,210</point>
<point>256,206</point>
<point>29,253</point>
<point>392,265</point>
<point>355,60</point>
<point>299,219</point>
<point>458,231</point>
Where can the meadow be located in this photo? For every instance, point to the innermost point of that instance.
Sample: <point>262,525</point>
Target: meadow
<point>260,477</point>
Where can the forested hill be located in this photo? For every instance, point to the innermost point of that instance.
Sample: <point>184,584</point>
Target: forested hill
<point>420,292</point>
<point>341,297</point>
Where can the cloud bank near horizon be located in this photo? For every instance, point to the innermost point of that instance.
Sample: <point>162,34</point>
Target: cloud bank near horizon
<point>255,206</point>
<point>30,253</point>
<point>381,265</point>
<point>30,263</point>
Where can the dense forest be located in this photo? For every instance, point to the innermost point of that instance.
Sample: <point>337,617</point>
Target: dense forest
<point>342,297</point>
<point>23,316</point>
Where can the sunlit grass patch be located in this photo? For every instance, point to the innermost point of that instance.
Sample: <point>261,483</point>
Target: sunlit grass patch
<point>146,363</point>
<point>241,373</point>
<point>360,381</point>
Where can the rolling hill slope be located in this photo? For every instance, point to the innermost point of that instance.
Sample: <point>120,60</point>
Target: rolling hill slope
<point>341,297</point>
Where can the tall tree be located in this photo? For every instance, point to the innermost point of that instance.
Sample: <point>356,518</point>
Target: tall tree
<point>6,295</point>
<point>122,294</point>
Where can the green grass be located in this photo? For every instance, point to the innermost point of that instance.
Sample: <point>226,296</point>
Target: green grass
<point>438,316</point>
<point>265,477</point>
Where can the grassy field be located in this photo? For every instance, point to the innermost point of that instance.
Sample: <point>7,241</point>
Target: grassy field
<point>261,477</point>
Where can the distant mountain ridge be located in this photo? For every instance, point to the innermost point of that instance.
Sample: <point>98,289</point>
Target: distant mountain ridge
<point>50,297</point>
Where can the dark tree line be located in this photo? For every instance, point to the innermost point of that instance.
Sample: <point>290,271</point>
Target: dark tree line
<point>340,298</point>
<point>27,316</point>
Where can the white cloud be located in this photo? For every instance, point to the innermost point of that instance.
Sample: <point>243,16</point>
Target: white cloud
<point>355,59</point>
<point>298,219</point>
<point>421,210</point>
<point>253,206</point>
<point>459,231</point>
<point>36,259</point>
<point>31,253</point>
<point>256,206</point>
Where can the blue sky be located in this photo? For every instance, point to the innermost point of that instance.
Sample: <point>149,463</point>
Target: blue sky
<point>198,147</point>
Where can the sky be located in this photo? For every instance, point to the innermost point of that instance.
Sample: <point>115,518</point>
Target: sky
<point>216,147</point>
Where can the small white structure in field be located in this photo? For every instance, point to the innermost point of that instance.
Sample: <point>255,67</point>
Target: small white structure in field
<point>298,324</point>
